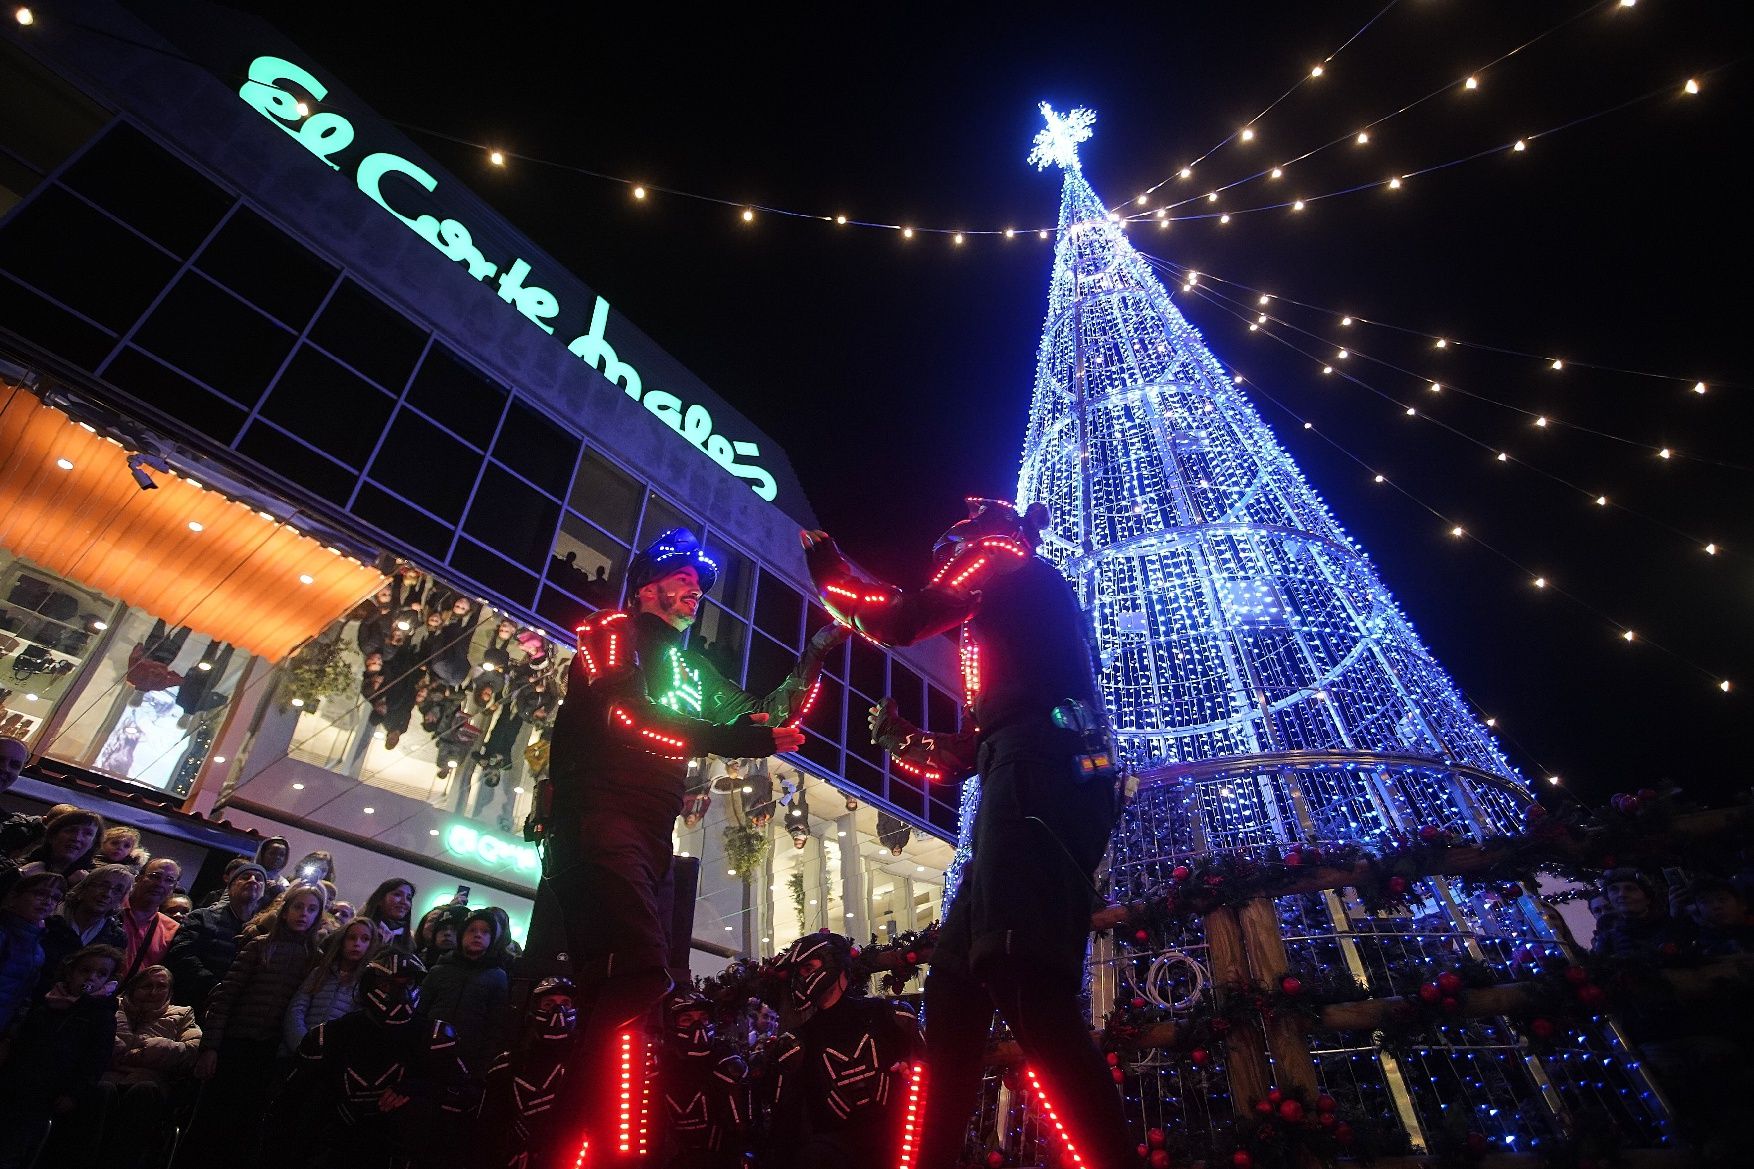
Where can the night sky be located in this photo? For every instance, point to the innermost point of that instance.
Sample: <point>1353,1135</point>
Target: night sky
<point>897,374</point>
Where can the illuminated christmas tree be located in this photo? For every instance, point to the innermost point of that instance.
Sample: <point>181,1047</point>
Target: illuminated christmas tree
<point>1275,702</point>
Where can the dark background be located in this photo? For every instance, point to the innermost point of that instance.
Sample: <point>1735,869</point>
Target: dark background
<point>897,374</point>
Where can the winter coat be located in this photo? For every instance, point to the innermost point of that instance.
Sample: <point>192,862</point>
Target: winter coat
<point>312,1008</point>
<point>250,1001</point>
<point>59,1051</point>
<point>201,953</point>
<point>166,1047</point>
<point>21,958</point>
<point>61,938</point>
<point>470,995</point>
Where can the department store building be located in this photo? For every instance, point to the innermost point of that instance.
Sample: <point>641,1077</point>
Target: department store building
<point>309,464</point>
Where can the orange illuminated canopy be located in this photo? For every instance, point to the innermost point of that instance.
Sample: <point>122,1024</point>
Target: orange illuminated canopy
<point>183,553</point>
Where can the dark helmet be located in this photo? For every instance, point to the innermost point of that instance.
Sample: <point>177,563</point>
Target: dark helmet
<point>557,1023</point>
<point>676,549</point>
<point>807,992</point>
<point>991,517</point>
<point>389,987</point>
<point>691,1039</point>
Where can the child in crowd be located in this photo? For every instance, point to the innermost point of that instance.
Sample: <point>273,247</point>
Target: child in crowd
<point>390,906</point>
<point>1719,918</point>
<point>469,989</point>
<point>242,1029</point>
<point>437,935</point>
<point>330,989</point>
<point>178,906</point>
<point>57,1055</point>
<point>314,866</point>
<point>151,1063</point>
<point>24,914</point>
<point>120,845</point>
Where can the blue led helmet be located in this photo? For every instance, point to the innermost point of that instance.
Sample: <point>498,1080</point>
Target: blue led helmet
<point>674,550</point>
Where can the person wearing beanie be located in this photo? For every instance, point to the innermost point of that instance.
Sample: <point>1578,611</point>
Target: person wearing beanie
<point>468,988</point>
<point>1719,917</point>
<point>638,706</point>
<point>204,946</point>
<point>1635,925</point>
<point>272,854</point>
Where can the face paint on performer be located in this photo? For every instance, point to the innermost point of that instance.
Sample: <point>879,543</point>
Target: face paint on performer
<point>673,598</point>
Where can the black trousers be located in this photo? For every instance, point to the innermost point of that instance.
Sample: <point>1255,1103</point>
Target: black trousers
<point>603,879</point>
<point>1014,942</point>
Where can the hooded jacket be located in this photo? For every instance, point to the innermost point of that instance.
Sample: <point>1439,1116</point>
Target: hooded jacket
<point>250,1001</point>
<point>471,995</point>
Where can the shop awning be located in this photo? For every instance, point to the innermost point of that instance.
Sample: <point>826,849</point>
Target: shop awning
<point>182,552</point>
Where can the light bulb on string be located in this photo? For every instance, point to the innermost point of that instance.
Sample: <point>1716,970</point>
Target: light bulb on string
<point>496,157</point>
<point>1042,234</point>
<point>1540,582</point>
<point>639,192</point>
<point>1363,138</point>
<point>1471,83</point>
<point>748,215</point>
<point>1457,531</point>
<point>1699,387</point>
<point>1692,86</point>
<point>1519,146</point>
<point>1297,206</point>
<point>1436,388</point>
<point>1263,299</point>
<point>1380,479</point>
<point>1247,134</point>
<point>842,220</point>
<point>1724,685</point>
<point>907,233</point>
<point>1225,218</point>
<point>1627,635</point>
<point>1601,501</point>
<point>957,238</point>
<point>1664,453</point>
<point>1140,200</point>
<point>1276,173</point>
<point>1541,420</point>
<point>1394,184</point>
<point>1186,172</point>
<point>1316,72</point>
<point>1711,549</point>
<point>1557,364</point>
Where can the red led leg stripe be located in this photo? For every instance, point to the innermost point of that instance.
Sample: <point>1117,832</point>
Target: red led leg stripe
<point>584,1154</point>
<point>1004,544</point>
<point>912,1122</point>
<point>809,703</point>
<point>1047,1106</point>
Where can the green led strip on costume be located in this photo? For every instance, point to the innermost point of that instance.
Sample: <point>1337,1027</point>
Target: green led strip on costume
<point>684,695</point>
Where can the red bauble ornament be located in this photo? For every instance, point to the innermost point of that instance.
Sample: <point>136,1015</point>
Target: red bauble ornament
<point>1449,982</point>
<point>1343,1133</point>
<point>1294,858</point>
<point>1397,884</point>
<point>912,957</point>
<point>1526,956</point>
<point>1326,1103</point>
<point>1199,1055</point>
<point>1138,1003</point>
<point>1274,1096</point>
<point>1141,936</point>
<point>1430,833</point>
<point>1326,1120</point>
<point>1159,1159</point>
<point>1264,1107</point>
<point>1291,985</point>
<point>1451,1005</point>
<point>1155,1136</point>
<point>1142,1151</point>
<point>1117,1075</point>
<point>1541,1028</point>
<point>995,1159</point>
<point>1429,992</point>
<point>1181,872</point>
<point>1591,995</point>
<point>1576,975</point>
<point>1242,1159</point>
<point>1290,1111</point>
<point>1114,1059</point>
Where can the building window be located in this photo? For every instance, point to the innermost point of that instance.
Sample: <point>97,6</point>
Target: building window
<point>609,498</point>
<point>216,338</point>
<point>720,638</point>
<point>150,380</point>
<point>736,583</point>
<point>452,393</point>
<point>138,181</point>
<point>70,251</point>
<point>43,120</point>
<point>661,516</point>
<point>587,563</point>
<point>512,517</point>
<point>329,407</point>
<point>537,448</point>
<point>267,267</point>
<point>422,463</point>
<point>369,335</point>
<point>779,610</point>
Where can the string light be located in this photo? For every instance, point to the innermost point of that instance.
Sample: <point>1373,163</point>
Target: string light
<point>1519,146</point>
<point>1298,205</point>
<point>1316,72</point>
<point>1699,387</point>
<point>1557,364</point>
<point>1711,549</point>
<point>1471,83</point>
<point>1540,582</point>
<point>748,215</point>
<point>842,220</point>
<point>1247,135</point>
<point>1664,453</point>
<point>639,192</point>
<point>1691,87</point>
<point>1363,137</point>
<point>496,157</point>
<point>1601,501</point>
<point>1394,184</point>
<point>907,233</point>
<point>957,239</point>
<point>1277,172</point>
<point>1627,634</point>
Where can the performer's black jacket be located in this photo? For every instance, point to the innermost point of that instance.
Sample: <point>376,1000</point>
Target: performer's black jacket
<point>601,760</point>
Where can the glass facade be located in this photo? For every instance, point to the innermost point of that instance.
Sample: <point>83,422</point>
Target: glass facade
<point>119,265</point>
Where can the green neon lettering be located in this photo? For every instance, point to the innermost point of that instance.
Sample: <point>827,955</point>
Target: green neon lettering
<point>535,303</point>
<point>596,352</point>
<point>322,134</point>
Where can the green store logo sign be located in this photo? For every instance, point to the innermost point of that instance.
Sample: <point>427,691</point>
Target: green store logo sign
<point>326,134</point>
<point>496,853</point>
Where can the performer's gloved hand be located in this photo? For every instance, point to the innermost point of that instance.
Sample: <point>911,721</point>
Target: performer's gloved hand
<point>821,555</point>
<point>781,738</point>
<point>888,729</point>
<point>825,641</point>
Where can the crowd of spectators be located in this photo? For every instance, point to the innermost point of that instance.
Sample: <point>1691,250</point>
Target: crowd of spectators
<point>137,1015</point>
<point>1671,915</point>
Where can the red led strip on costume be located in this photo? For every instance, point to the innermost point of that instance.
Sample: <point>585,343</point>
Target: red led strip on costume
<point>657,742</point>
<point>918,770</point>
<point>855,595</point>
<point>612,653</point>
<point>1054,1117</point>
<point>909,1138</point>
<point>631,1116</point>
<point>809,703</point>
<point>970,653</point>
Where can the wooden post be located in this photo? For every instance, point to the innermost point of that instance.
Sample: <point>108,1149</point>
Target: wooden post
<point>1245,1046</point>
<point>1287,1037</point>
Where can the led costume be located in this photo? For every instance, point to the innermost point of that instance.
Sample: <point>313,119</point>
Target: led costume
<point>703,1086</point>
<point>521,1126</point>
<point>389,1086</point>
<point>1015,937</point>
<point>837,1075</point>
<point>638,707</point>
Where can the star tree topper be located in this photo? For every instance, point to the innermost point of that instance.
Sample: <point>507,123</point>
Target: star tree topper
<point>1057,145</point>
